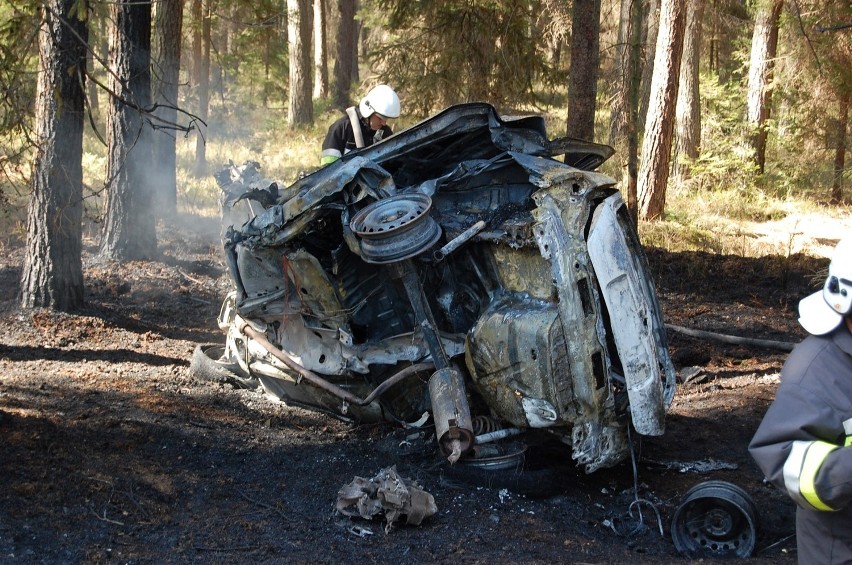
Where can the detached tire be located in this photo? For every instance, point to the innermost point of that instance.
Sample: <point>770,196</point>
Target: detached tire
<point>208,364</point>
<point>522,471</point>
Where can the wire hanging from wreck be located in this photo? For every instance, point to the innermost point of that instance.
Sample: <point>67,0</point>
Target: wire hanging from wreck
<point>637,501</point>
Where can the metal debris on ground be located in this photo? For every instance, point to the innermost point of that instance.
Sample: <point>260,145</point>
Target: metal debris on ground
<point>700,466</point>
<point>386,494</point>
<point>693,375</point>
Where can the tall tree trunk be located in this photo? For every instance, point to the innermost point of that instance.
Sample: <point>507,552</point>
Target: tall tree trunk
<point>343,53</point>
<point>625,106</point>
<point>168,20</point>
<point>618,105</point>
<point>91,87</point>
<point>129,226</point>
<point>651,13</point>
<point>356,70</point>
<point>52,269</point>
<point>219,50</point>
<point>583,76</point>
<point>657,142</point>
<point>320,51</point>
<point>197,17</point>
<point>267,64</point>
<point>203,93</point>
<point>688,114</point>
<point>300,105</point>
<point>840,146</point>
<point>764,44</point>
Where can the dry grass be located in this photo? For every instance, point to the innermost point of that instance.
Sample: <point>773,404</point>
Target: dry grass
<point>728,222</point>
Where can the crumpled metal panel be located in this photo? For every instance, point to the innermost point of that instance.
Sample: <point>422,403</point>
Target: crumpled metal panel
<point>635,323</point>
<point>387,494</point>
<point>358,177</point>
<point>515,355</point>
<point>523,270</point>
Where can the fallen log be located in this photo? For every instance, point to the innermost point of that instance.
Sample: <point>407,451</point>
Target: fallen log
<point>736,340</point>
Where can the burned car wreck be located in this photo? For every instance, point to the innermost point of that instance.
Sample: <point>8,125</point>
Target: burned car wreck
<point>456,271</point>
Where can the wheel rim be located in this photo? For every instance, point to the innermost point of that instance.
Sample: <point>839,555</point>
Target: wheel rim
<point>716,518</point>
<point>396,228</point>
<point>496,457</point>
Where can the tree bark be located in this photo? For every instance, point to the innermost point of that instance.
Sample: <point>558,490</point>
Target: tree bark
<point>583,76</point>
<point>129,226</point>
<point>203,67</point>
<point>166,76</point>
<point>840,146</point>
<point>343,53</point>
<point>320,50</point>
<point>196,15</point>
<point>300,105</point>
<point>356,49</point>
<point>625,105</point>
<point>52,268</point>
<point>91,87</point>
<point>651,13</point>
<point>688,113</point>
<point>618,106</point>
<point>764,45</point>
<point>656,146</point>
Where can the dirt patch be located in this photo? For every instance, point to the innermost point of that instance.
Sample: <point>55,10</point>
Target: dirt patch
<point>112,451</point>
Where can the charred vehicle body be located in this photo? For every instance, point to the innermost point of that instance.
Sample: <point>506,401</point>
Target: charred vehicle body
<point>456,270</point>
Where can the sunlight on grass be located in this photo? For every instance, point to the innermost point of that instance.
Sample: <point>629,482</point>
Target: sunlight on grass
<point>749,224</point>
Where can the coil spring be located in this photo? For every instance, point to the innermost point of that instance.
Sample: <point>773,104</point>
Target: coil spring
<point>484,425</point>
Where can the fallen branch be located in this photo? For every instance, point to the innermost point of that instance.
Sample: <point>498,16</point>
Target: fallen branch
<point>736,340</point>
<point>105,519</point>
<point>264,505</point>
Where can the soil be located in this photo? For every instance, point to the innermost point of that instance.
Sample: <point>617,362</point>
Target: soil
<point>112,451</point>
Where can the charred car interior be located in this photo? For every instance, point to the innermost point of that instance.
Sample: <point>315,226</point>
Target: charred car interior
<point>467,273</point>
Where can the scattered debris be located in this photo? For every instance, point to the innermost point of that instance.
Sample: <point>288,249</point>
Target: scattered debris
<point>693,375</point>
<point>361,531</point>
<point>504,495</point>
<point>700,466</point>
<point>389,494</point>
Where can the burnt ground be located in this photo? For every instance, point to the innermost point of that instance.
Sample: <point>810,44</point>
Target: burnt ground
<point>111,451</point>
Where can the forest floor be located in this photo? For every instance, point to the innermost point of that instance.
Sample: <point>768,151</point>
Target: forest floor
<point>110,450</point>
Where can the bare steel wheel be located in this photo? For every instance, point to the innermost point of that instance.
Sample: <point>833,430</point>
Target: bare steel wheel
<point>716,518</point>
<point>396,228</point>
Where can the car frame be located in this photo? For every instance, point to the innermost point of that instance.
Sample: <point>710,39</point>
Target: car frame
<point>456,274</point>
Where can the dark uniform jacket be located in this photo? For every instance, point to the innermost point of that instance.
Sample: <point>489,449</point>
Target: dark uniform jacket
<point>340,138</point>
<point>804,444</point>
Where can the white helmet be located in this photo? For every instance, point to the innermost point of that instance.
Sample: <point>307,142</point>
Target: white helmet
<point>380,100</point>
<point>823,311</point>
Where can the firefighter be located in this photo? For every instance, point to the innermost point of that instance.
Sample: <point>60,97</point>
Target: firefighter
<point>363,125</point>
<point>804,443</point>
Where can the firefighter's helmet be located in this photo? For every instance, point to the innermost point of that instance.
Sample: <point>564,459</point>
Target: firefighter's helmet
<point>823,311</point>
<point>380,100</point>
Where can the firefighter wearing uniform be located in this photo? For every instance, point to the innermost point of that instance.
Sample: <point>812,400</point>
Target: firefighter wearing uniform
<point>804,443</point>
<point>363,125</point>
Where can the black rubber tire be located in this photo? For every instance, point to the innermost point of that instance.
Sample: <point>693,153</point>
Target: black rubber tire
<point>207,365</point>
<point>533,483</point>
<point>540,473</point>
